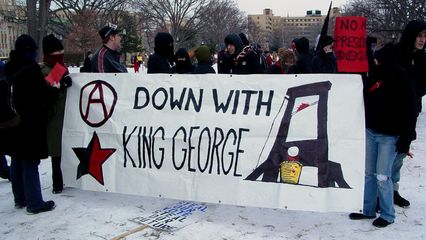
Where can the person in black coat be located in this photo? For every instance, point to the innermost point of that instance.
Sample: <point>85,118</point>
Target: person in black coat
<point>324,60</point>
<point>390,116</point>
<point>303,57</point>
<point>182,62</point>
<point>204,65</point>
<point>237,58</point>
<point>87,65</point>
<point>159,62</point>
<point>412,57</point>
<point>31,97</point>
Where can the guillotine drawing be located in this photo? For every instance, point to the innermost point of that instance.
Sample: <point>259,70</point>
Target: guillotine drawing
<point>312,152</point>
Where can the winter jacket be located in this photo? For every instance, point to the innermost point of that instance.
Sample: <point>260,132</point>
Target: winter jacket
<point>324,62</point>
<point>55,119</point>
<point>106,60</point>
<point>203,68</point>
<point>389,99</point>
<point>31,97</point>
<point>158,64</point>
<point>87,65</point>
<point>304,58</point>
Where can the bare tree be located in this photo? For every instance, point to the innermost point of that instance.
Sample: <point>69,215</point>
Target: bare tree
<point>256,34</point>
<point>387,17</point>
<point>32,19</point>
<point>180,17</point>
<point>44,6</point>
<point>220,18</point>
<point>65,11</point>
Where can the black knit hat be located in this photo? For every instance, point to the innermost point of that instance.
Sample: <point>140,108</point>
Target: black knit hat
<point>25,43</point>
<point>202,53</point>
<point>108,30</point>
<point>51,44</point>
<point>324,41</point>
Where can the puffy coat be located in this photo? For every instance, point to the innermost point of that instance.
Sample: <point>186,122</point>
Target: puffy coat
<point>31,96</point>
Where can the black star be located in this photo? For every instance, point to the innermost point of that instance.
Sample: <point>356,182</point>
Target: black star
<point>92,158</point>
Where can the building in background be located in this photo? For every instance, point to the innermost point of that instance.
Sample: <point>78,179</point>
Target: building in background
<point>11,26</point>
<point>272,32</point>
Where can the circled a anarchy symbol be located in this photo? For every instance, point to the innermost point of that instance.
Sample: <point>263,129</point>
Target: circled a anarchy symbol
<point>97,102</point>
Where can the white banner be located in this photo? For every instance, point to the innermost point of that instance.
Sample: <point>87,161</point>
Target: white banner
<point>277,141</point>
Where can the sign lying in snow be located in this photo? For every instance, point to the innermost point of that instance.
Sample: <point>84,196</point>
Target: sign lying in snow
<point>174,217</point>
<point>278,141</point>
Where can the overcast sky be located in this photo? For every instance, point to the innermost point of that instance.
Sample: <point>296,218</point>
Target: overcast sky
<point>294,8</point>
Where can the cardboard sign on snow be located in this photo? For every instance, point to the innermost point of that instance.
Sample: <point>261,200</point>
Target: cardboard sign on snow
<point>174,217</point>
<point>350,44</point>
<point>56,74</point>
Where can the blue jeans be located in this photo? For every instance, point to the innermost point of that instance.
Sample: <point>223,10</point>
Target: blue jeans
<point>26,182</point>
<point>380,154</point>
<point>396,170</point>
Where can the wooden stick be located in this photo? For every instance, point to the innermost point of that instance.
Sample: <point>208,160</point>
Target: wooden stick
<point>123,235</point>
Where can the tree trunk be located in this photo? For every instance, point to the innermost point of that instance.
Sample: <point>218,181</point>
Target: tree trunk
<point>43,16</point>
<point>32,21</point>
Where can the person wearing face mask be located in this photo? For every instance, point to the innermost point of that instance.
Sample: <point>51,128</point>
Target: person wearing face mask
<point>303,62</point>
<point>412,54</point>
<point>53,54</point>
<point>182,62</point>
<point>324,60</point>
<point>390,116</point>
<point>107,58</point>
<point>159,62</point>
<point>31,96</point>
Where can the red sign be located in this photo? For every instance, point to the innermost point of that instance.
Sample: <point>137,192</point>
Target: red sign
<point>350,44</point>
<point>56,74</point>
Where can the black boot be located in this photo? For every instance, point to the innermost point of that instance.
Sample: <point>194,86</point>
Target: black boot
<point>44,207</point>
<point>400,201</point>
<point>381,223</point>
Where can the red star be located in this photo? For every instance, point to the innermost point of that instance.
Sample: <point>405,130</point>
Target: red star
<point>92,158</point>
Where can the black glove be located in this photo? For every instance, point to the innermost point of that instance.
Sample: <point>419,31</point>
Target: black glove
<point>66,81</point>
<point>402,145</point>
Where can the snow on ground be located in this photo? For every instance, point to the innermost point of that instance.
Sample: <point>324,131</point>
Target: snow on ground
<point>96,215</point>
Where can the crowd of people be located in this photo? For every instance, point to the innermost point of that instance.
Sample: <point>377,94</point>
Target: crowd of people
<point>393,88</point>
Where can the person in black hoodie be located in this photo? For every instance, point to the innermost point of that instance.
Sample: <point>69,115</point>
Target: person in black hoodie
<point>204,65</point>
<point>390,115</point>
<point>324,60</point>
<point>413,59</point>
<point>303,57</point>
<point>226,57</point>
<point>182,62</point>
<point>159,62</point>
<point>237,58</point>
<point>31,96</point>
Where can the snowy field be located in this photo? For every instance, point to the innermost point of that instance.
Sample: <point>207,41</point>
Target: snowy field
<point>97,215</point>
